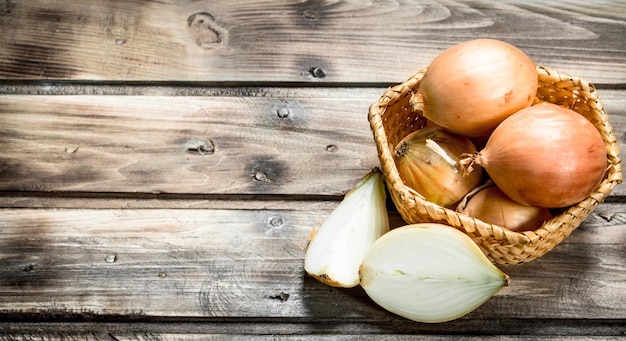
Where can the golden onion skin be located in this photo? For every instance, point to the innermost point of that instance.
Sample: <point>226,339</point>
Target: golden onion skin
<point>545,156</point>
<point>473,86</point>
<point>492,206</point>
<point>427,172</point>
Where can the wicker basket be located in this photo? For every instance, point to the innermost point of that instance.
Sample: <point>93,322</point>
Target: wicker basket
<point>391,120</point>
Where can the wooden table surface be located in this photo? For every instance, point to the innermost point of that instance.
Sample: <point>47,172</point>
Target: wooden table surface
<point>163,162</point>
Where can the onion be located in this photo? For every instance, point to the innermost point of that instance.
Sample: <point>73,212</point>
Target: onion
<point>545,156</point>
<point>337,247</point>
<point>428,162</point>
<point>429,272</point>
<point>473,86</point>
<point>492,206</point>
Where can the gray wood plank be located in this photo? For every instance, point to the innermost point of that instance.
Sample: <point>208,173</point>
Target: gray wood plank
<point>251,41</point>
<point>238,264</point>
<point>219,145</point>
<point>308,330</point>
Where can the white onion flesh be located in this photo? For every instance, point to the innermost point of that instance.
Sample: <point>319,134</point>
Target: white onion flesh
<point>429,273</point>
<point>338,246</point>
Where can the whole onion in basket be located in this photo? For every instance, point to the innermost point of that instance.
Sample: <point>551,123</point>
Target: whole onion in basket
<point>473,86</point>
<point>492,206</point>
<point>428,162</point>
<point>545,156</point>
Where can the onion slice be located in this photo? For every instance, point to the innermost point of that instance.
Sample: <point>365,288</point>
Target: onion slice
<point>429,272</point>
<point>338,246</point>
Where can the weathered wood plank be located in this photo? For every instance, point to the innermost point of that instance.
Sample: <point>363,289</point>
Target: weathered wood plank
<point>345,41</point>
<point>266,334</point>
<point>184,144</point>
<point>199,145</point>
<point>168,201</point>
<point>326,330</point>
<point>204,263</point>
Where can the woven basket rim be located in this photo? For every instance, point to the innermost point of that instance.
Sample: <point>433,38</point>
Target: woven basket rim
<point>410,198</point>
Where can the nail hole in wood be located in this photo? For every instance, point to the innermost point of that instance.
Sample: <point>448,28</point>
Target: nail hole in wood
<point>71,149</point>
<point>200,147</point>
<point>317,72</point>
<point>276,221</point>
<point>28,267</point>
<point>281,296</point>
<point>283,112</point>
<point>260,176</point>
<point>308,14</point>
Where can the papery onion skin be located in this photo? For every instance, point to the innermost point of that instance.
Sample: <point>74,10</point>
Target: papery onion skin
<point>544,156</point>
<point>428,173</point>
<point>492,206</point>
<point>429,272</point>
<point>473,86</point>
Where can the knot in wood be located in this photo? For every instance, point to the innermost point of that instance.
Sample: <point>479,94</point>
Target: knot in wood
<point>204,31</point>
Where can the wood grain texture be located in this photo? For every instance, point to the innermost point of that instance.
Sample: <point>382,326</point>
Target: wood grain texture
<point>327,330</point>
<point>199,145</point>
<point>163,162</point>
<point>161,263</point>
<point>185,145</point>
<point>187,336</point>
<point>301,41</point>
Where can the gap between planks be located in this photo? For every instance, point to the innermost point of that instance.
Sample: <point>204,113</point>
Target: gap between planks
<point>335,329</point>
<point>68,200</point>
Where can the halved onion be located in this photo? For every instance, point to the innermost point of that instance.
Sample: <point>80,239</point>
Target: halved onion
<point>338,246</point>
<point>429,272</point>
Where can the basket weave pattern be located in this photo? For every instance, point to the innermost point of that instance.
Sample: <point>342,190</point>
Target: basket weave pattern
<point>391,120</point>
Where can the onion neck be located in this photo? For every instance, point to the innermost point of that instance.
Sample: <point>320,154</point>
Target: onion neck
<point>402,149</point>
<point>468,161</point>
<point>417,102</point>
